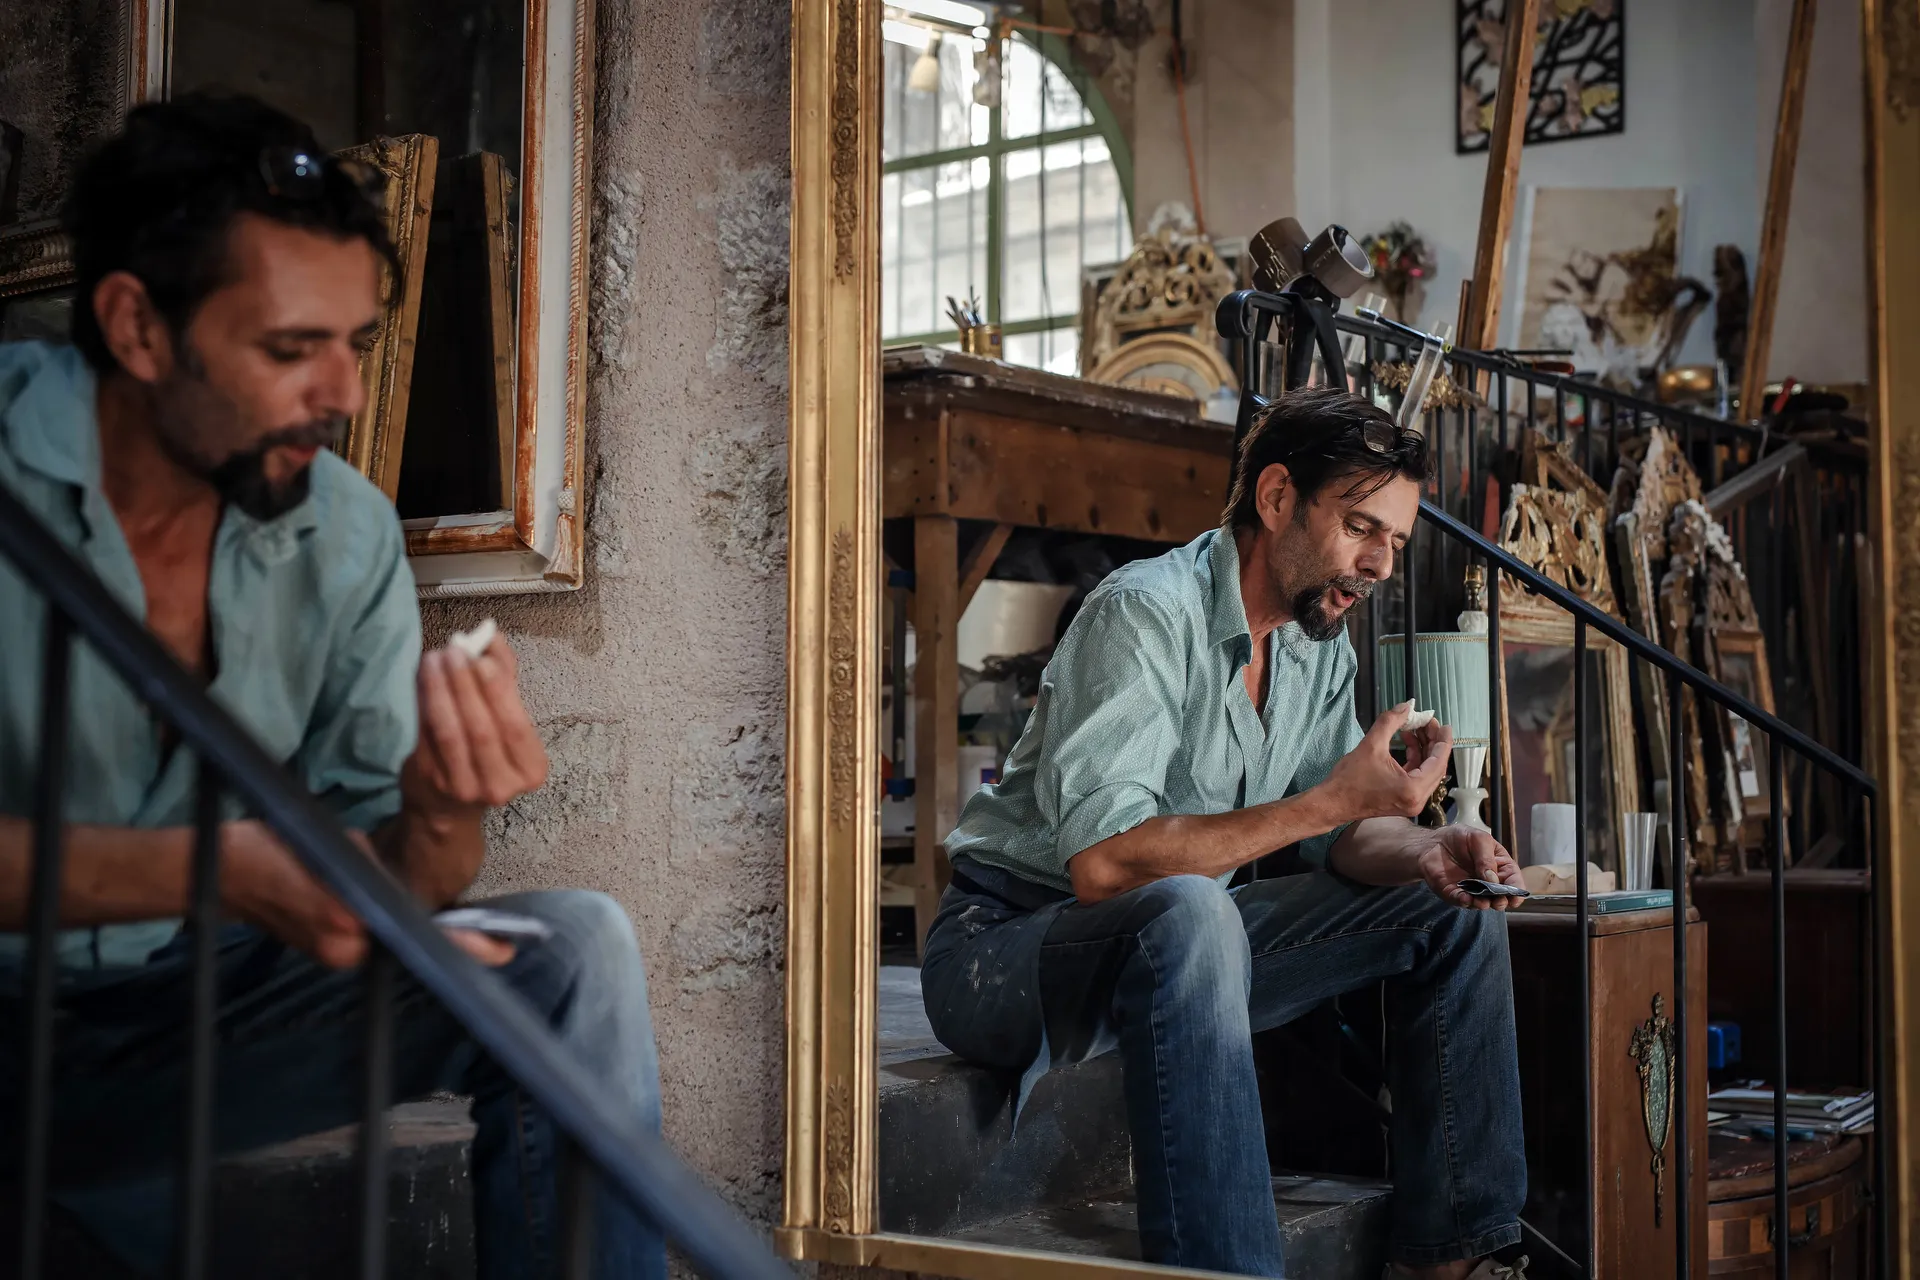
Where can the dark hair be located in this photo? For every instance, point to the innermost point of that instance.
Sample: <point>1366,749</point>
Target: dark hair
<point>1322,434</point>
<point>158,199</point>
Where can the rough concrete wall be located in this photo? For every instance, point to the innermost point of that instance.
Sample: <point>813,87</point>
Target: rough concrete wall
<point>60,85</point>
<point>660,686</point>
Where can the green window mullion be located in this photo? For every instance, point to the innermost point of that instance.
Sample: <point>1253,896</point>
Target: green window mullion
<point>986,148</point>
<point>996,190</point>
<point>934,337</point>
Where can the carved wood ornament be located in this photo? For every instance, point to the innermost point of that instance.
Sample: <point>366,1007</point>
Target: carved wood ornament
<point>1560,534</point>
<point>1706,590</point>
<point>1172,281</point>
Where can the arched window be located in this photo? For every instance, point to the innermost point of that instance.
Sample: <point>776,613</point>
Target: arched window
<point>1009,200</point>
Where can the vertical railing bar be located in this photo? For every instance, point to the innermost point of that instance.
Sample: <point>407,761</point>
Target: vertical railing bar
<point>1586,431</point>
<point>1532,389</point>
<point>1373,667</point>
<point>1713,447</point>
<point>376,1092</point>
<point>1494,660</point>
<point>577,1195</point>
<point>1559,414</point>
<point>1437,554</point>
<point>1411,580</point>
<point>1613,431</point>
<point>1506,437</point>
<point>1776,771</point>
<point>1581,917</point>
<point>1677,878</point>
<point>196,1182</point>
<point>43,955</point>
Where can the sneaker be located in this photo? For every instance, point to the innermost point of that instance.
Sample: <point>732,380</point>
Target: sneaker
<point>1489,1269</point>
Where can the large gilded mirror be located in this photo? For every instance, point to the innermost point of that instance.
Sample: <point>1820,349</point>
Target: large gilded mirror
<point>991,203</point>
<point>477,116</point>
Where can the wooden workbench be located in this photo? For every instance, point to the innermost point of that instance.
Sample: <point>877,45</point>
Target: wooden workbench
<point>969,438</point>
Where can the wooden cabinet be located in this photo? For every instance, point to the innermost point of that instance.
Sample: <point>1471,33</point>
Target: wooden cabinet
<point>1631,957</point>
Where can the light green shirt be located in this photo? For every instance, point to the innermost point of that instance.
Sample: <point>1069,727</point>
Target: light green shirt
<point>1143,712</point>
<point>314,627</point>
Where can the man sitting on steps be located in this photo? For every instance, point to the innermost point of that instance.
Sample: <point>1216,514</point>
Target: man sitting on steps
<point>1198,715</point>
<point>229,282</point>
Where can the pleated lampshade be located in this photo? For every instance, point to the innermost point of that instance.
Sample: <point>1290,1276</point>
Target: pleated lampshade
<point>1450,679</point>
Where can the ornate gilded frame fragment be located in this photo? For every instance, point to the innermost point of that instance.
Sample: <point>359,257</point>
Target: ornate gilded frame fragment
<point>378,433</point>
<point>1559,532</point>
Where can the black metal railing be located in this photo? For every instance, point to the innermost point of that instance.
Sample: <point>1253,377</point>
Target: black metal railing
<point>600,1142</point>
<point>1258,320</point>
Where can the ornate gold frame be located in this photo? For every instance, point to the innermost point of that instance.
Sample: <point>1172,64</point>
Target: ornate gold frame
<point>377,436</point>
<point>833,640</point>
<point>533,544</point>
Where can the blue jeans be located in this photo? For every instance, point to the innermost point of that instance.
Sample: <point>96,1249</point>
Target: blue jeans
<point>290,1035</point>
<point>1180,973</point>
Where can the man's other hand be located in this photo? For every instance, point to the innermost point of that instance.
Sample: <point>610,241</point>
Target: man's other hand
<point>1453,854</point>
<point>264,885</point>
<point>1369,783</point>
<point>478,747</point>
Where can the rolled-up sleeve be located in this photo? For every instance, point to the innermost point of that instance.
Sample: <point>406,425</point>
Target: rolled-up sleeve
<point>1113,720</point>
<point>1335,733</point>
<point>367,719</point>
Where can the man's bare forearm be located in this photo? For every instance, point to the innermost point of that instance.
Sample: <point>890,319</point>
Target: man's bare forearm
<point>109,875</point>
<point>1209,844</point>
<point>1380,851</point>
<point>437,853</point>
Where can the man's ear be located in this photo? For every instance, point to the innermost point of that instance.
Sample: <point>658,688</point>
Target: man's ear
<point>133,330</point>
<point>1274,494</point>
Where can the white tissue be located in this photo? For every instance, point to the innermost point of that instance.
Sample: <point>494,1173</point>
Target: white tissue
<point>475,642</point>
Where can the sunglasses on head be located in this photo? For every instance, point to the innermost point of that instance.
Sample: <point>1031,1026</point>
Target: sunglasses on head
<point>295,173</point>
<point>1384,438</point>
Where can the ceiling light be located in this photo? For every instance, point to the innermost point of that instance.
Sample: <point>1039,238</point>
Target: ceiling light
<point>911,34</point>
<point>961,15</point>
<point>925,76</point>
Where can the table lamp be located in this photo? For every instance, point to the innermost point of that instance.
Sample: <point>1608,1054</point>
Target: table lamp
<point>1452,681</point>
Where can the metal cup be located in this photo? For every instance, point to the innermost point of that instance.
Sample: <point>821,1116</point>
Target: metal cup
<point>1641,844</point>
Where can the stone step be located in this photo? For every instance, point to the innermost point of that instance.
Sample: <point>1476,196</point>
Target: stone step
<point>291,1211</point>
<point>1330,1228</point>
<point>949,1153</point>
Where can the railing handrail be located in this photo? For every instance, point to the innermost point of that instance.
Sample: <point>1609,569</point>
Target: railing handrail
<point>633,1159</point>
<point>1500,365</point>
<point>1666,660</point>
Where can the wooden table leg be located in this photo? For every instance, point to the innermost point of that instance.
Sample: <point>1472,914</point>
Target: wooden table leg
<point>936,709</point>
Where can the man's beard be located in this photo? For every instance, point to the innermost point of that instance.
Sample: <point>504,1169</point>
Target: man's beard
<point>1315,613</point>
<point>189,412</point>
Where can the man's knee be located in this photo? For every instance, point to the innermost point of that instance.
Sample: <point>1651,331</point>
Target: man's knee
<point>592,947</point>
<point>1189,921</point>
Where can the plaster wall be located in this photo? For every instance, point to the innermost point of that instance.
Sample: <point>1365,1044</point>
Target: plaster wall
<point>1239,111</point>
<point>660,686</point>
<point>1375,112</point>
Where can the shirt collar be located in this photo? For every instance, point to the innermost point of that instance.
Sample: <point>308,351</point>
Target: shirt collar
<point>53,428</point>
<point>50,424</point>
<point>1227,611</point>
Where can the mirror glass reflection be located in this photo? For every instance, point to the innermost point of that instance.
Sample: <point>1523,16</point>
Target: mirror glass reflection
<point>450,70</point>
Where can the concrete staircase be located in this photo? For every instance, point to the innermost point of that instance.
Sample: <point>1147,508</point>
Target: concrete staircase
<point>290,1211</point>
<point>951,1163</point>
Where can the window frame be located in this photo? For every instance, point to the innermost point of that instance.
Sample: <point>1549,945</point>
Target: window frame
<point>1105,126</point>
